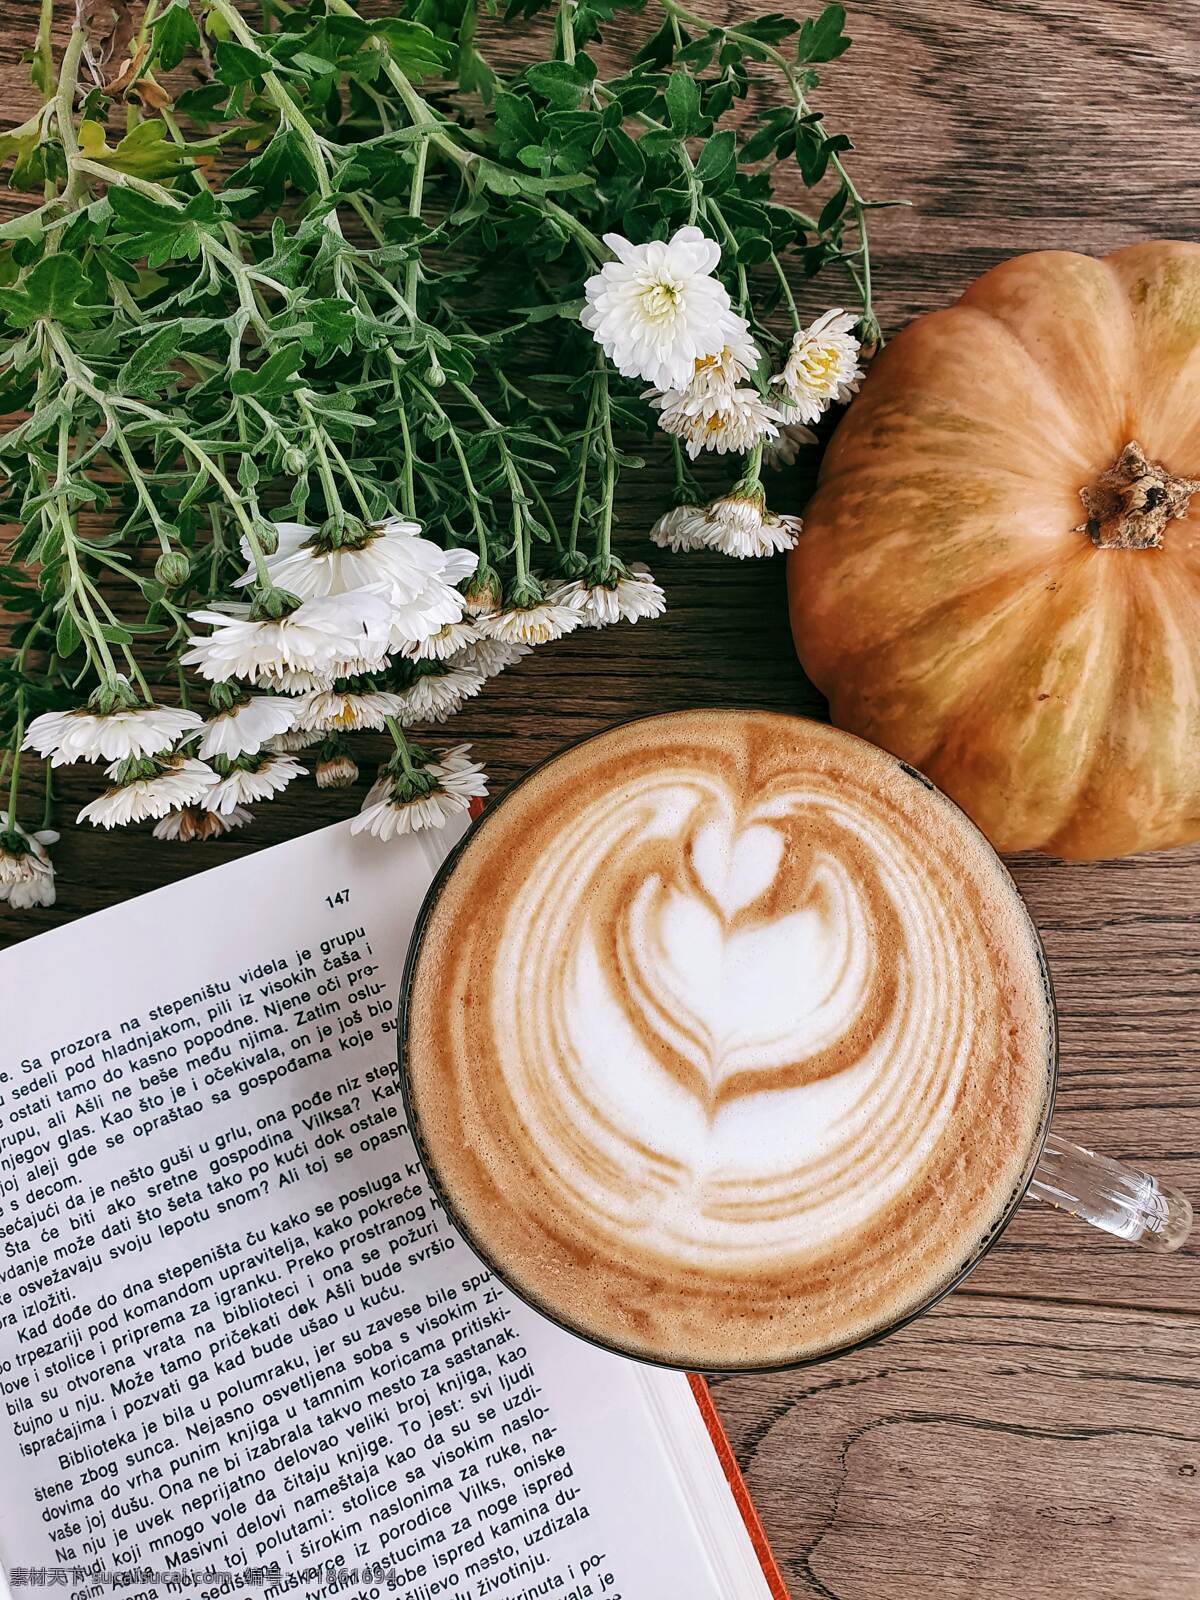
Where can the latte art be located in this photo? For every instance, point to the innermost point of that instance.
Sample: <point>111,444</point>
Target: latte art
<point>728,1040</point>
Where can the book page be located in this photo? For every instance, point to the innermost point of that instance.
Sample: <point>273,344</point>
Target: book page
<point>242,1351</point>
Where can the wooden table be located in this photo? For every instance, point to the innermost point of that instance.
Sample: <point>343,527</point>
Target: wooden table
<point>1038,1434</point>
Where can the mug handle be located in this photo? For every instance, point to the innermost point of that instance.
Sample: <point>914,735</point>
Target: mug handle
<point>1119,1199</point>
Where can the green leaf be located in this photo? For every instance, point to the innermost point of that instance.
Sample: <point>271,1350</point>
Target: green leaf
<point>283,161</point>
<point>50,293</point>
<point>239,63</point>
<point>67,637</point>
<point>683,104</point>
<point>174,34</point>
<point>833,208</point>
<point>147,152</point>
<point>163,232</point>
<point>717,159</point>
<point>275,378</point>
<point>558,81</point>
<point>821,38</point>
<point>415,49</point>
<point>147,371</point>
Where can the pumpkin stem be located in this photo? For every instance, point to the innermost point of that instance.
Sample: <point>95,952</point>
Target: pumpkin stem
<point>1129,505</point>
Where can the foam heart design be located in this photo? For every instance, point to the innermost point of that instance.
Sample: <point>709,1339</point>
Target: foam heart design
<point>734,987</point>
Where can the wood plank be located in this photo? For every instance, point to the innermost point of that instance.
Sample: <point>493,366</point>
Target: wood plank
<point>994,1450</point>
<point>1021,1441</point>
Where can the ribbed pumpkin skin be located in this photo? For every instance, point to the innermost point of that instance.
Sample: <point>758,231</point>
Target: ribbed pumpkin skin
<point>940,594</point>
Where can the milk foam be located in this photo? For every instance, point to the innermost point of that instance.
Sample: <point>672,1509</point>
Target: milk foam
<point>730,1008</point>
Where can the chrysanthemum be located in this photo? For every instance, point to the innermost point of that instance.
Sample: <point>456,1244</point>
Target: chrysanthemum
<point>740,525</point>
<point>178,781</point>
<point>822,365</point>
<point>337,771</point>
<point>682,528</point>
<point>657,309</point>
<point>722,420</point>
<point>194,823</point>
<point>246,726</point>
<point>631,595</point>
<point>538,623</point>
<point>490,656</point>
<point>347,709</point>
<point>417,576</point>
<point>26,871</point>
<point>434,696</point>
<point>251,778</point>
<point>450,638</point>
<point>395,805</point>
<point>295,739</point>
<point>84,735</point>
<point>310,639</point>
<point>484,592</point>
<point>729,367</point>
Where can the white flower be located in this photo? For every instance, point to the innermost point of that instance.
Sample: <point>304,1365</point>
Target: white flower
<point>246,727</point>
<point>436,696</point>
<point>346,710</point>
<point>450,638</point>
<point>741,525</point>
<point>312,639</point>
<point>683,528</point>
<point>417,576</point>
<point>725,419</point>
<point>822,365</point>
<point>657,309</point>
<point>289,680</point>
<point>337,771</point>
<point>297,739</point>
<point>601,604</point>
<point>83,735</point>
<point>194,823</point>
<point>729,367</point>
<point>386,812</point>
<point>181,782</point>
<point>259,778</point>
<point>490,656</point>
<point>782,451</point>
<point>26,871</point>
<point>536,624</point>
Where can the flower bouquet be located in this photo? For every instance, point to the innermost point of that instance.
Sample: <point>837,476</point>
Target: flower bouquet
<point>327,341</point>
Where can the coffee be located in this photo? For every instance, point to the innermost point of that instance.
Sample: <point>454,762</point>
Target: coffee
<point>728,1039</point>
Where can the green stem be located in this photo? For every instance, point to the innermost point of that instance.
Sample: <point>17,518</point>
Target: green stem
<point>403,749</point>
<point>64,114</point>
<point>333,501</point>
<point>415,195</point>
<point>408,488</point>
<point>15,777</point>
<point>604,536</point>
<point>566,29</point>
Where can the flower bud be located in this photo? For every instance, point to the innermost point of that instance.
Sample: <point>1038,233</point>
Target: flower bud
<point>337,772</point>
<point>484,592</point>
<point>295,462</point>
<point>268,538</point>
<point>172,568</point>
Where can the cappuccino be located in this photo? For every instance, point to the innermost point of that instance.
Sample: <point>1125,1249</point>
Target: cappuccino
<point>728,1040</point>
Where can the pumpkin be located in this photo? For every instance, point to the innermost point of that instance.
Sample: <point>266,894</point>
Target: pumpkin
<point>999,574</point>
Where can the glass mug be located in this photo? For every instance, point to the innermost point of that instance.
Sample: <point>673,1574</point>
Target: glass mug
<point>1118,1199</point>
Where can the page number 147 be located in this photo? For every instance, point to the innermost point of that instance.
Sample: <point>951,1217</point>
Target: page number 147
<point>341,898</point>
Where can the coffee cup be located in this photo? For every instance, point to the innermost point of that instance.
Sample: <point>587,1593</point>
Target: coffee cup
<point>729,1044</point>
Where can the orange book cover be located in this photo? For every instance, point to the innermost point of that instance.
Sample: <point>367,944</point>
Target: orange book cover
<point>737,1485</point>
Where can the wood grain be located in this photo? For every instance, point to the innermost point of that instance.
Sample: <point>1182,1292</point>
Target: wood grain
<point>1038,1434</point>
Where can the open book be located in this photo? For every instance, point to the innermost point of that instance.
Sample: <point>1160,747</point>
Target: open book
<point>242,1351</point>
